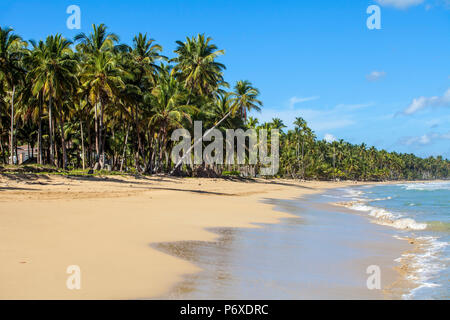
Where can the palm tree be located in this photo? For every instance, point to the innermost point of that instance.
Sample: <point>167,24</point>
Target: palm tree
<point>277,123</point>
<point>102,78</point>
<point>142,60</point>
<point>303,134</point>
<point>168,110</point>
<point>196,65</point>
<point>144,54</point>
<point>36,56</point>
<point>100,74</point>
<point>248,101</point>
<point>99,40</point>
<point>252,122</point>
<point>54,75</point>
<point>11,53</point>
<point>219,108</point>
<point>245,98</point>
<point>79,110</point>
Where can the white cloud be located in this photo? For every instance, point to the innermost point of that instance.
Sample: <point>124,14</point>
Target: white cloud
<point>323,120</point>
<point>425,139</point>
<point>294,100</point>
<point>375,75</point>
<point>399,4</point>
<point>329,138</point>
<point>425,102</point>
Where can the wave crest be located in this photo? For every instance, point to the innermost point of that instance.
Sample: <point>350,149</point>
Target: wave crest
<point>430,186</point>
<point>384,217</point>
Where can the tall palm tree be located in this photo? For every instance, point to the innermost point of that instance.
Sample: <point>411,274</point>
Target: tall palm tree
<point>252,122</point>
<point>142,60</point>
<point>304,134</point>
<point>97,50</point>
<point>169,110</point>
<point>54,75</point>
<point>102,77</point>
<point>277,123</point>
<point>11,53</point>
<point>99,40</point>
<point>145,55</point>
<point>245,97</point>
<point>36,56</point>
<point>196,65</point>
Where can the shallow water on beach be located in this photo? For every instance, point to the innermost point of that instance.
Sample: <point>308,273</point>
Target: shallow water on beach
<point>322,253</point>
<point>419,210</point>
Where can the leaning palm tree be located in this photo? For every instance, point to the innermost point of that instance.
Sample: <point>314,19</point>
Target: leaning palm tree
<point>248,101</point>
<point>245,97</point>
<point>54,75</point>
<point>11,53</point>
<point>196,65</point>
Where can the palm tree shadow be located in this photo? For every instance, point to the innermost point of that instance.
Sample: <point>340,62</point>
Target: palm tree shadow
<point>15,188</point>
<point>194,191</point>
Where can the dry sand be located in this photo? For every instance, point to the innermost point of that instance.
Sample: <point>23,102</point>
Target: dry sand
<point>105,225</point>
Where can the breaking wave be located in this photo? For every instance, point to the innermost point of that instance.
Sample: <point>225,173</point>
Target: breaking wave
<point>386,218</point>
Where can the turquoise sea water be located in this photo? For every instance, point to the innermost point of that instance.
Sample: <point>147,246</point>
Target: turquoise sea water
<point>420,210</point>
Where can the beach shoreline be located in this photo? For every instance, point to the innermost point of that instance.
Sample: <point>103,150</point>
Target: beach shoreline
<point>106,226</point>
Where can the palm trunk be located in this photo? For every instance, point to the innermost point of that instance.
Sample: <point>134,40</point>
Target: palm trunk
<point>1,150</point>
<point>188,152</point>
<point>303,160</point>
<point>50,133</point>
<point>11,141</point>
<point>40,134</point>
<point>124,149</point>
<point>97,145</point>
<point>138,146</point>
<point>63,141</point>
<point>101,138</point>
<point>82,144</point>
<point>89,143</point>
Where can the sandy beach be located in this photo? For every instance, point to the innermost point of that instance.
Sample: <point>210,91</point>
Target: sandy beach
<point>107,225</point>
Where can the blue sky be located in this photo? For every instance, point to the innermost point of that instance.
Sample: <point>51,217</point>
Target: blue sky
<point>316,59</point>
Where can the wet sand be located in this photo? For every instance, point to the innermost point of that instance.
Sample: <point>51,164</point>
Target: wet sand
<point>322,252</point>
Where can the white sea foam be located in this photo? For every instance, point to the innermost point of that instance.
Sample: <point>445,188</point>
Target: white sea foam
<point>386,218</point>
<point>429,186</point>
<point>425,265</point>
<point>430,261</point>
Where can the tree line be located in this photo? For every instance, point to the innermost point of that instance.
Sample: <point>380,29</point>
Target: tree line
<point>93,102</point>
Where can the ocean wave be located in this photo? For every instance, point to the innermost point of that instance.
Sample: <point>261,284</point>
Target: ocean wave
<point>429,186</point>
<point>425,265</point>
<point>386,218</point>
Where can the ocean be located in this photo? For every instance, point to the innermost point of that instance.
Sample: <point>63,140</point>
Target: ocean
<point>420,211</point>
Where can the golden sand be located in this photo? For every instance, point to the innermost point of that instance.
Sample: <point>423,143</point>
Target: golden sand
<point>105,225</point>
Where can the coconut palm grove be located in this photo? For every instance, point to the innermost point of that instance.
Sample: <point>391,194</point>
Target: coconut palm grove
<point>93,104</point>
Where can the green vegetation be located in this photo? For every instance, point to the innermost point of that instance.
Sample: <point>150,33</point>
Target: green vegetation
<point>96,103</point>
<point>231,173</point>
